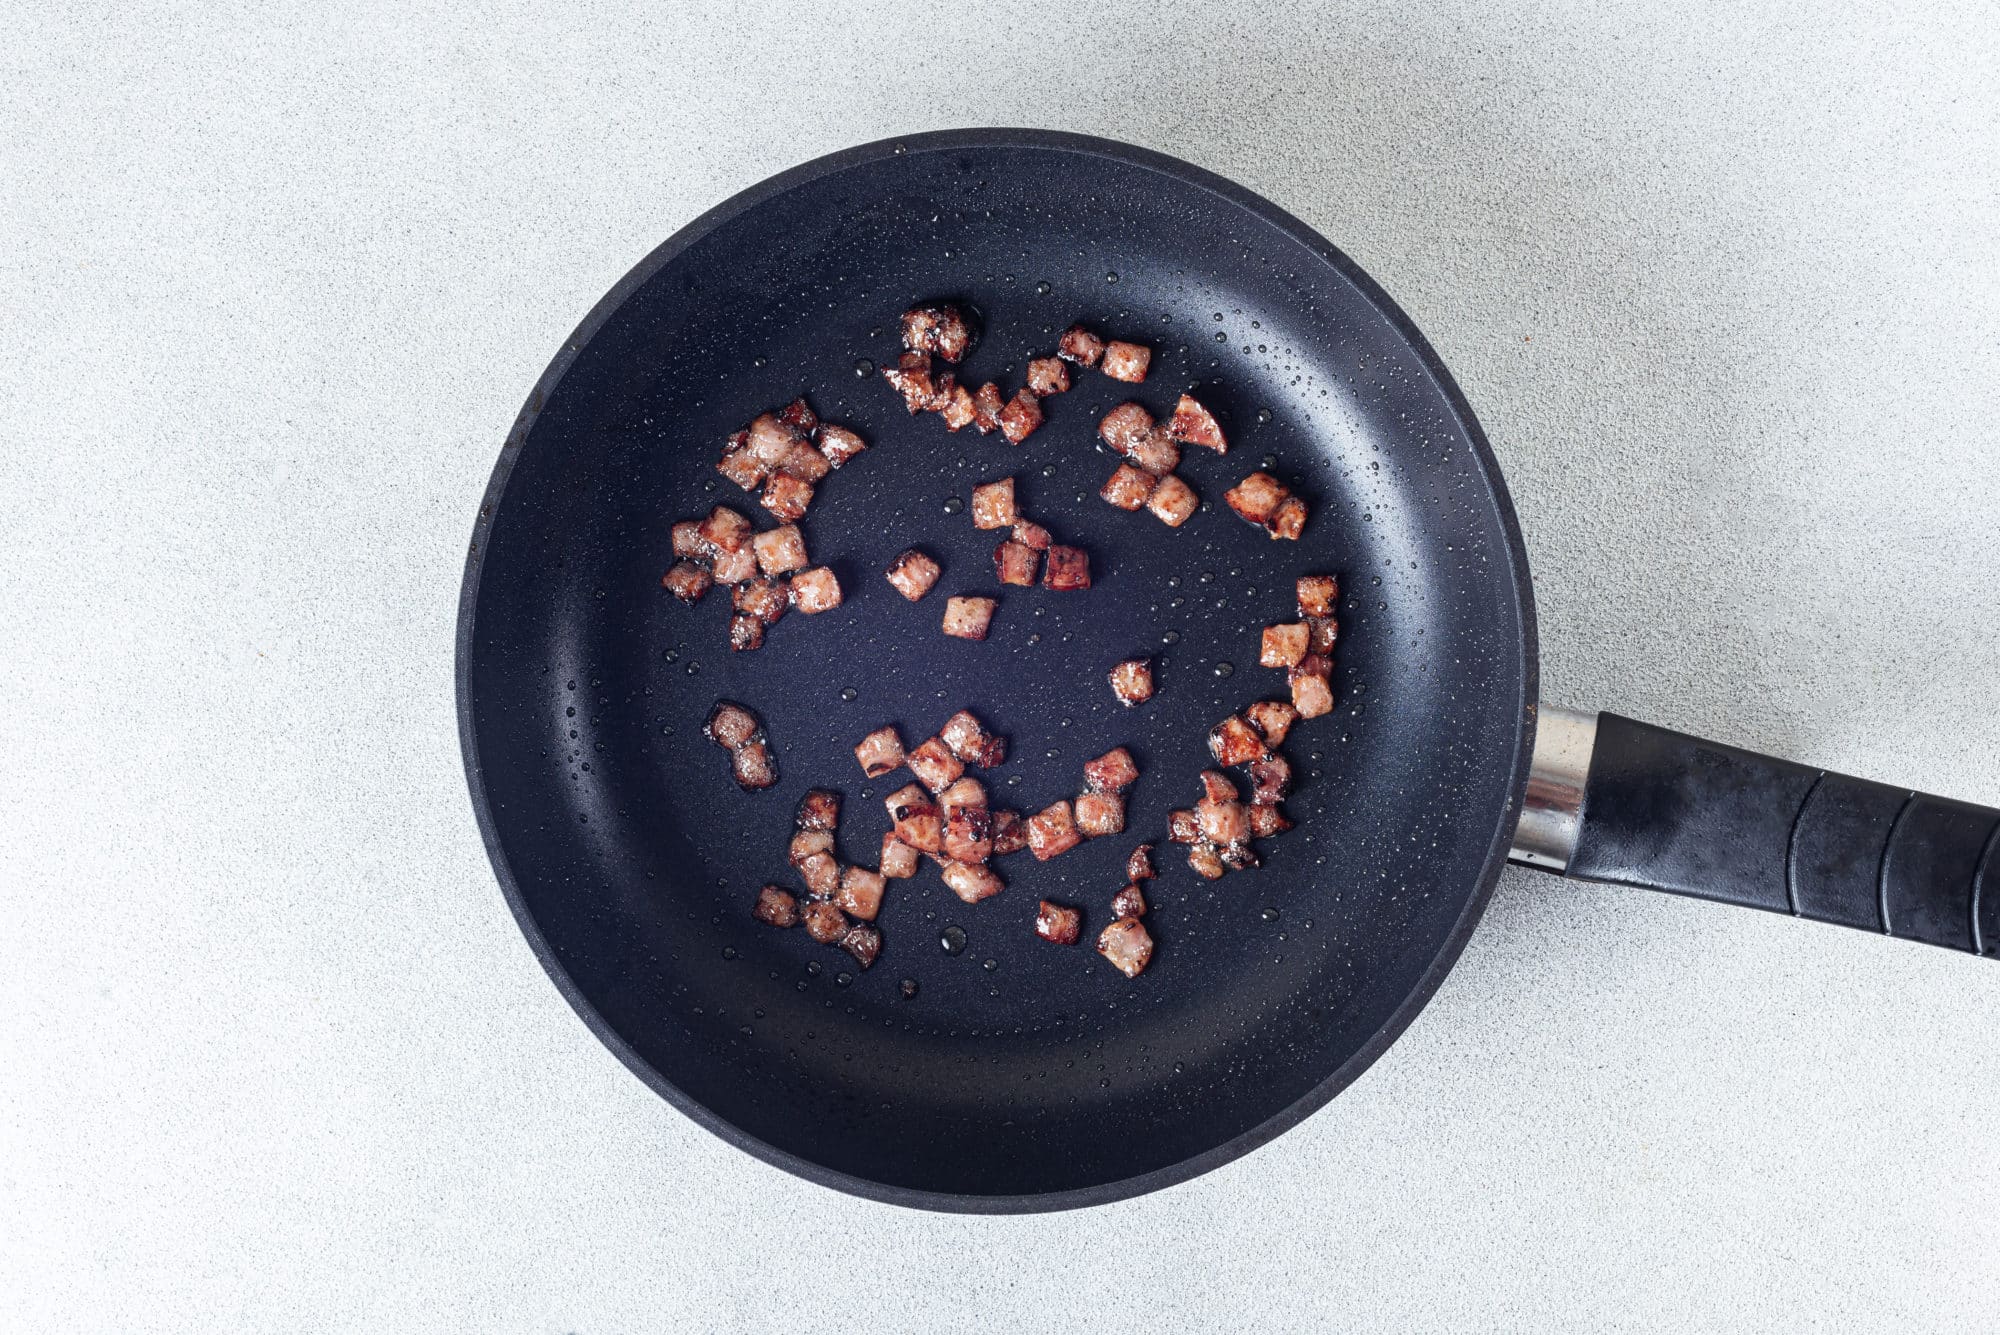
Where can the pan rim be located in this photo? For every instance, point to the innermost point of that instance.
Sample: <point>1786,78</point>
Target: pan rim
<point>1412,1003</point>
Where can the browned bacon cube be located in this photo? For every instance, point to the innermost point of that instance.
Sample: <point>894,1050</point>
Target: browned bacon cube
<point>815,590</point>
<point>1067,568</point>
<point>740,465</point>
<point>1139,867</point>
<point>1127,945</point>
<point>805,463</point>
<point>860,893</point>
<point>1216,787</point>
<point>1256,497</point>
<point>687,581</point>
<point>724,529</point>
<point>1016,563</point>
<point>911,377</point>
<point>1183,827</point>
<point>1112,772</point>
<point>934,765</point>
<point>967,617</point>
<point>1054,922</point>
<point>1222,822</point>
<point>918,821</point>
<point>1132,681</point>
<point>1010,832</point>
<point>880,751</point>
<point>987,405</point>
<point>763,597</point>
<point>1155,452</point>
<point>1173,501</point>
<point>821,874</point>
<point>958,409</point>
<point>1126,361</point>
<point>1234,742</point>
<point>819,809</point>
<point>1272,719</point>
<point>1193,424</point>
<point>1323,634</point>
<point>805,843</point>
<point>1127,487</point>
<point>780,908</point>
<point>1048,375</point>
<point>972,882</point>
<point>825,923</point>
<point>799,416</point>
<point>967,792</point>
<point>1030,534</point>
<point>733,567</point>
<point>753,766</point>
<point>1317,595</point>
<point>1052,830</point>
<point>1239,856</point>
<point>939,327</point>
<point>968,739</point>
<point>1021,416</point>
<point>913,573</point>
<point>863,941</point>
<point>1312,691</point>
<point>746,632</point>
<point>968,833</point>
<point>898,859</point>
<point>993,504</point>
<point>786,496</point>
<point>839,444</point>
<point>1099,814</point>
<point>1266,820</point>
<point>780,550</point>
<point>1270,779</point>
<point>689,544</point>
<point>1290,520</point>
<point>1129,902</point>
<point>1206,861</point>
<point>1124,426</point>
<point>1081,346</point>
<point>1284,644</point>
<point>730,725</point>
<point>770,439</point>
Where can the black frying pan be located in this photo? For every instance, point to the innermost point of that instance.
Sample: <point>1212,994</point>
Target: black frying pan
<point>1023,1075</point>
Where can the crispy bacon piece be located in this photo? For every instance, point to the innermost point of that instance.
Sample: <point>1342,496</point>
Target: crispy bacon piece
<point>1081,346</point>
<point>730,725</point>
<point>1127,487</point>
<point>1126,361</point>
<point>970,881</point>
<point>860,893</point>
<point>934,765</point>
<point>1257,498</point>
<point>1054,922</point>
<point>918,821</point>
<point>880,751</point>
<point>687,581</point>
<point>967,792</point>
<point>1127,944</point>
<point>967,617</point>
<point>1322,633</point>
<point>753,766</point>
<point>1010,832</point>
<point>1173,501</point>
<point>786,496</point>
<point>1183,827</point>
<point>1021,416</point>
<point>745,632</point>
<point>725,530</point>
<point>969,740</point>
<point>1234,742</point>
<point>1123,426</point>
<point>1290,521</point>
<point>776,906</point>
<point>898,859</point>
<point>1098,814</point>
<point>938,327</point>
<point>741,465</point>
<point>1016,563</point>
<point>824,921</point>
<point>780,550</point>
<point>805,463</point>
<point>1222,822</point>
<point>968,824</point>
<point>733,567</point>
<point>863,941</point>
<point>993,504</point>
<point>1270,779</point>
<point>1216,787</point>
<point>1129,902</point>
<point>958,409</point>
<point>815,590</point>
<point>913,573</point>
<point>1266,820</point>
<point>1239,856</point>
<point>1067,568</point>
<point>821,873</point>
<point>1317,595</point>
<point>1112,772</point>
<point>819,809</point>
<point>1206,860</point>
<point>689,543</point>
<point>1048,375</point>
<point>805,843</point>
<point>987,404</point>
<point>1052,830</point>
<point>1139,867</point>
<point>763,597</point>
<point>799,416</point>
<point>1312,690</point>
<point>839,444</point>
<point>1284,644</point>
<point>770,438</point>
<point>1272,719</point>
<point>911,376</point>
<point>1154,452</point>
<point>1132,681</point>
<point>1193,424</point>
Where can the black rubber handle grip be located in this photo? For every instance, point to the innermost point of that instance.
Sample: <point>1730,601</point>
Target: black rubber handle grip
<point>1672,812</point>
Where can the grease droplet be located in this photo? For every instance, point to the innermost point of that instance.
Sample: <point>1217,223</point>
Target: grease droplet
<point>1044,287</point>
<point>952,940</point>
<point>990,965</point>
<point>1270,915</point>
<point>863,369</point>
<point>848,693</point>
<point>1224,669</point>
<point>909,987</point>
<point>953,505</point>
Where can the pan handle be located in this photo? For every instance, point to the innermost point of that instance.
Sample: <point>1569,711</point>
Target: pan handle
<point>1612,799</point>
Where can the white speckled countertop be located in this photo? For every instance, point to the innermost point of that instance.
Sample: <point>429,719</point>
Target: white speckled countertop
<point>1722,282</point>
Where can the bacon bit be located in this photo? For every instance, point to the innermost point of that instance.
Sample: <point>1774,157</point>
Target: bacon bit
<point>730,725</point>
<point>1030,534</point>
<point>971,741</point>
<point>1234,742</point>
<point>821,874</point>
<point>745,632</point>
<point>725,530</point>
<point>1052,830</point>
<point>898,860</point>
<point>1222,822</point>
<point>1183,827</point>
<point>819,809</point>
<point>913,573</point>
<point>805,463</point>
<point>1312,691</point>
<point>1016,563</point>
<point>1129,902</point>
<point>1081,346</point>
<point>1068,568</point>
<point>1173,502</point>
<point>763,597</point>
<point>1099,814</point>
<point>740,465</point>
<point>934,765</point>
<point>753,766</point>
<point>959,410</point>
<point>687,581</point>
<point>1206,861</point>
<point>880,751</point>
<point>1284,644</point>
<point>1054,922</point>
<point>968,832</point>
<point>1216,787</point>
<point>805,843</point>
<point>938,327</point>
<point>972,882</point>
<point>1127,487</point>
<point>1132,681</point>
<point>689,544</point>
<point>733,567</point>
<point>780,550</point>
<point>1239,856</point>
<point>1048,375</point>
<point>1010,832</point>
<point>967,618</point>
<point>1139,867</point>
<point>1112,772</point>
<point>1126,361</point>
<point>967,792</point>
<point>1270,779</point>
<point>862,941</point>
<point>1124,425</point>
<point>1290,521</point>
<point>1021,416</point>
<point>1324,633</point>
<point>786,496</point>
<point>1193,424</point>
<point>825,923</point>
<point>1155,453</point>
<point>799,416</point>
<point>770,438</point>
<point>918,821</point>
<point>1257,498</point>
<point>1272,719</point>
<point>993,504</point>
<point>778,907</point>
<point>1317,595</point>
<point>1128,946</point>
<point>860,894</point>
<point>986,407</point>
<point>911,376</point>
<point>839,444</point>
<point>815,590</point>
<point>1266,820</point>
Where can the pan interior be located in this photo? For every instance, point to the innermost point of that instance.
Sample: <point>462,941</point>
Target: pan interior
<point>1018,1067</point>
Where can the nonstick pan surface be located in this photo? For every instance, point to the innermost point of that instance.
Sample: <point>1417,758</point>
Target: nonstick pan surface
<point>1021,1075</point>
